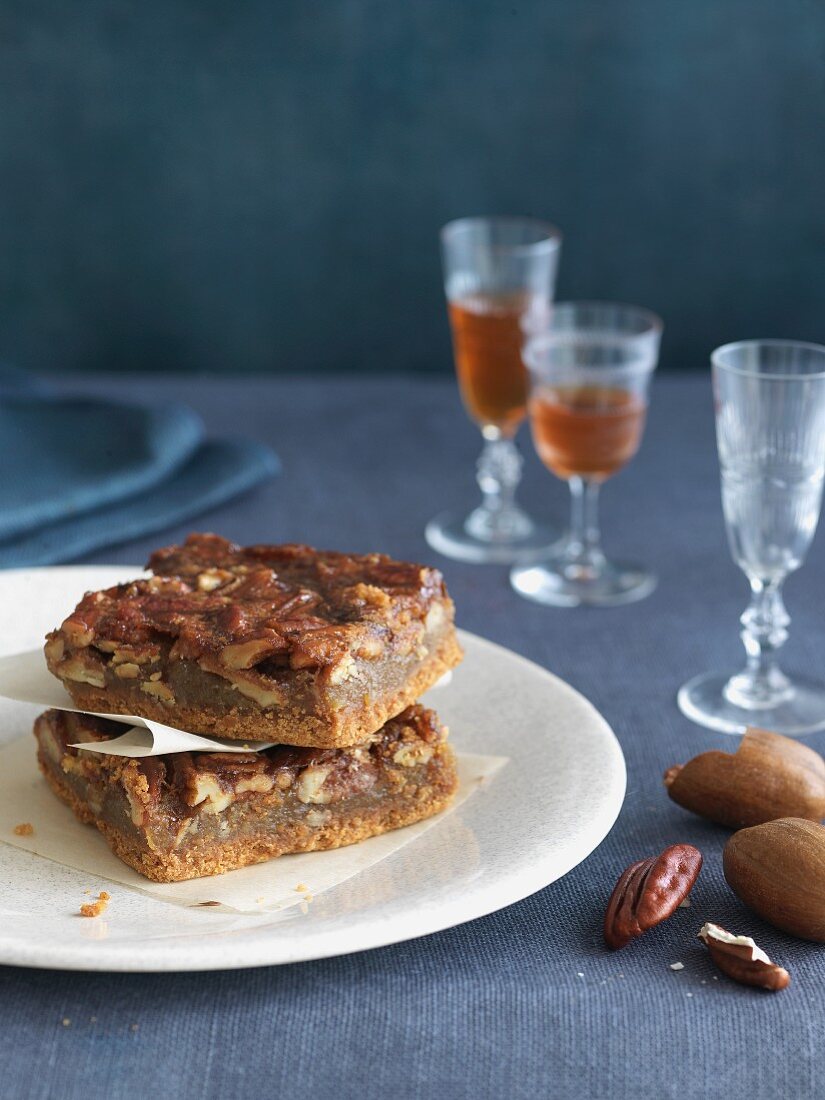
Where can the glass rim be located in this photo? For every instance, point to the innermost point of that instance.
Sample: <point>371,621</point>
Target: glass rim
<point>768,375</point>
<point>654,321</point>
<point>550,241</point>
<point>544,340</point>
<point>644,366</point>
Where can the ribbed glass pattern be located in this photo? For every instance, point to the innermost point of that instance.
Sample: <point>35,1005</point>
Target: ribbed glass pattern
<point>770,421</point>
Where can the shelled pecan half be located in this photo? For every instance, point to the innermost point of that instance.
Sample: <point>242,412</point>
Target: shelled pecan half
<point>649,891</point>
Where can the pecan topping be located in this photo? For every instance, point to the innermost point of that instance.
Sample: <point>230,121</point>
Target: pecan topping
<point>210,781</point>
<point>242,607</point>
<point>741,959</point>
<point>649,891</point>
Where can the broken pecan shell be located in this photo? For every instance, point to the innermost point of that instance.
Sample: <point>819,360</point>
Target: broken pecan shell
<point>741,959</point>
<point>649,891</point>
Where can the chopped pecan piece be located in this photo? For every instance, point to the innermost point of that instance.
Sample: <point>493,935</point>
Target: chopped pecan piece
<point>741,959</point>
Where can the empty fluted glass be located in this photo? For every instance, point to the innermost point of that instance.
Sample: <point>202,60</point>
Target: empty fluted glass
<point>770,429</point>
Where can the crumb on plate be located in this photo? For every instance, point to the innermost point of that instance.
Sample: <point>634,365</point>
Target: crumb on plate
<point>95,908</point>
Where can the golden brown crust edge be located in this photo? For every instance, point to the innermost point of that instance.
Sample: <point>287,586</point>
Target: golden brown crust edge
<point>244,853</point>
<point>289,727</point>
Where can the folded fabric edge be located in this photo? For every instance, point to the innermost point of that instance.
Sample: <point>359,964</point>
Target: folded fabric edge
<point>18,380</point>
<point>174,434</point>
<point>218,471</point>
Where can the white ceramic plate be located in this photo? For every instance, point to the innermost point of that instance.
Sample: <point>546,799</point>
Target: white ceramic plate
<point>543,814</point>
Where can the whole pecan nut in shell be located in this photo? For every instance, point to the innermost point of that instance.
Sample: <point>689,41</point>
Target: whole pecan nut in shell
<point>768,777</point>
<point>778,870</point>
<point>648,891</point>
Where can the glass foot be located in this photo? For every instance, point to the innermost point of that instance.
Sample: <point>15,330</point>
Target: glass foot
<point>560,582</point>
<point>484,537</point>
<point>710,700</point>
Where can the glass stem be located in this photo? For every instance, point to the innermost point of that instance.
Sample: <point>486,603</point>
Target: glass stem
<point>583,543</point>
<point>764,631</point>
<point>498,472</point>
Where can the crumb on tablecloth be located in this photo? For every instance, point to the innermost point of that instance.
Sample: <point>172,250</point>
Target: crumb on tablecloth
<point>25,828</point>
<point>95,908</point>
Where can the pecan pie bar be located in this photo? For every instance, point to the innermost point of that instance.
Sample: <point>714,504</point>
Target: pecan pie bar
<point>277,643</point>
<point>188,814</point>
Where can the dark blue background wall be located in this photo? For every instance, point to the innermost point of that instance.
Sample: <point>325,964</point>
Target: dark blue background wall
<point>258,185</point>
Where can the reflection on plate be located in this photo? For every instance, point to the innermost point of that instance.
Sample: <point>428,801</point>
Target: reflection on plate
<point>544,813</point>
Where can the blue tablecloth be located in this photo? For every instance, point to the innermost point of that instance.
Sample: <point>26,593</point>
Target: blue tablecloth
<point>81,473</point>
<point>525,1002</point>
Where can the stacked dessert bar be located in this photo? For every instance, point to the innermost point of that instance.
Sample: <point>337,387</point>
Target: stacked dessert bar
<point>324,654</point>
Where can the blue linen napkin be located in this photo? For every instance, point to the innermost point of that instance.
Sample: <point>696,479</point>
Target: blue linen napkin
<point>81,473</point>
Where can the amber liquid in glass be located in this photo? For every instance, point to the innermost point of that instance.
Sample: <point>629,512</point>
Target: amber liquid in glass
<point>586,431</point>
<point>487,339</point>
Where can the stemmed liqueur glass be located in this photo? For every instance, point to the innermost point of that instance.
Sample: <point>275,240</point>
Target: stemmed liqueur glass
<point>590,372</point>
<point>770,431</point>
<point>499,278</point>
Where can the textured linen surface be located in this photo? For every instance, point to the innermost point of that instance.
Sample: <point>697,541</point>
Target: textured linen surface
<point>525,1002</point>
